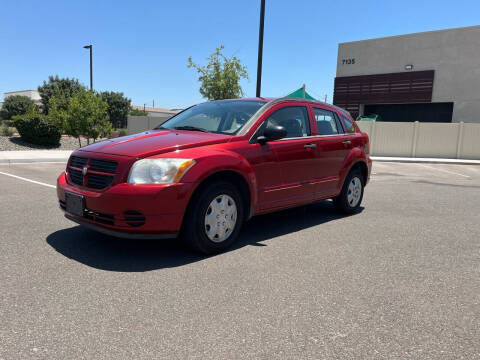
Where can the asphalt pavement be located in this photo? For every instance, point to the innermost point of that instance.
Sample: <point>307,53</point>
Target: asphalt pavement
<point>399,280</point>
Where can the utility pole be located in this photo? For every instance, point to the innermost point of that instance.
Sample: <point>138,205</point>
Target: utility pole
<point>260,47</point>
<point>91,67</point>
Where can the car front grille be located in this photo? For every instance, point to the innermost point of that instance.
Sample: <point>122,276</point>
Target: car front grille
<point>99,175</point>
<point>76,176</point>
<point>98,181</point>
<point>78,162</point>
<point>103,166</point>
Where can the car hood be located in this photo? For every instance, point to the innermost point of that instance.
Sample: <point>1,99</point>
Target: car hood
<point>154,142</point>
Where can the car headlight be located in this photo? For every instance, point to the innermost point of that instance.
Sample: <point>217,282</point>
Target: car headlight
<point>159,171</point>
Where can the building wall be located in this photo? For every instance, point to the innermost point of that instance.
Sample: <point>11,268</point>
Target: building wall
<point>454,54</point>
<point>137,124</point>
<point>32,94</point>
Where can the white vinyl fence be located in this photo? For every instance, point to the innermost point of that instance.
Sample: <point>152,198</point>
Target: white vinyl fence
<point>427,140</point>
<point>137,124</point>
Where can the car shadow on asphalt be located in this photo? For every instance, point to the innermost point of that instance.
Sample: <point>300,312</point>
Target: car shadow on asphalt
<point>113,254</point>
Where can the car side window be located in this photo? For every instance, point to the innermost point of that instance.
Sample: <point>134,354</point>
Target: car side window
<point>326,122</point>
<point>339,124</point>
<point>349,128</point>
<point>293,118</point>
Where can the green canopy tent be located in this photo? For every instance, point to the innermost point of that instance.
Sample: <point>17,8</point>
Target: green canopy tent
<point>301,94</point>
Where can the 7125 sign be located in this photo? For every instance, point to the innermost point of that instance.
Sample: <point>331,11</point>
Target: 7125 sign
<point>348,61</point>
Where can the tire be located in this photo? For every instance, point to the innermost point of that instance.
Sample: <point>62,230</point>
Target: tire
<point>205,230</point>
<point>350,198</point>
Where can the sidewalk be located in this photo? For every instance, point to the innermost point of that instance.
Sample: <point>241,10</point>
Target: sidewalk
<point>28,156</point>
<point>425,160</point>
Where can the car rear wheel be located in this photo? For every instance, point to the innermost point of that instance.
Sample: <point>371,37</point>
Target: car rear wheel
<point>214,219</point>
<point>351,196</point>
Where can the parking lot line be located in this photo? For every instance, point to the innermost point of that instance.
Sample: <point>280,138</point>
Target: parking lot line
<point>443,170</point>
<point>32,162</point>
<point>29,180</point>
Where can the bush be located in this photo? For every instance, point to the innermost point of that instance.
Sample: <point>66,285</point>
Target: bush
<point>117,133</point>
<point>37,129</point>
<point>6,130</point>
<point>15,105</point>
<point>138,112</point>
<point>62,88</point>
<point>118,107</point>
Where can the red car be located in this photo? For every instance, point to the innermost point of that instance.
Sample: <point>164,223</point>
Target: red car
<point>213,166</point>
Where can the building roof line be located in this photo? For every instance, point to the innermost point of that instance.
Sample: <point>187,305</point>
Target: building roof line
<point>413,34</point>
<point>152,109</point>
<point>11,92</point>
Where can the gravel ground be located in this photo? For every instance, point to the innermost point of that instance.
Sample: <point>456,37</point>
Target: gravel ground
<point>16,143</point>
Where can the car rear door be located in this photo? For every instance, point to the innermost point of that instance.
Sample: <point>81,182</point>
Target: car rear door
<point>332,147</point>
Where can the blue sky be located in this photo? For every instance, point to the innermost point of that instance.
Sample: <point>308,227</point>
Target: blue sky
<point>141,47</point>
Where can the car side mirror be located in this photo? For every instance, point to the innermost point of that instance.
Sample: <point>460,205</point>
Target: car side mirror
<point>272,133</point>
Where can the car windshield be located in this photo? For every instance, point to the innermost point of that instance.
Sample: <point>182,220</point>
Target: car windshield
<point>221,117</point>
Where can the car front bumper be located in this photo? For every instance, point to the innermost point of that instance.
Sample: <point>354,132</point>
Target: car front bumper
<point>137,211</point>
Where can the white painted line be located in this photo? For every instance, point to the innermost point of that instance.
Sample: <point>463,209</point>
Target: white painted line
<point>25,179</point>
<point>445,171</point>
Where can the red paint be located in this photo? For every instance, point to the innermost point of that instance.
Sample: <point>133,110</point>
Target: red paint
<point>279,174</point>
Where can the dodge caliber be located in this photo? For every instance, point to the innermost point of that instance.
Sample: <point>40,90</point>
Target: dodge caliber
<point>211,167</point>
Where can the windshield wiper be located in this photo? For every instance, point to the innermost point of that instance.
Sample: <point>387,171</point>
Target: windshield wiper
<point>191,128</point>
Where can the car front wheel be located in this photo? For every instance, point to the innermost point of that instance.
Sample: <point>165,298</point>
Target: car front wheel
<point>214,218</point>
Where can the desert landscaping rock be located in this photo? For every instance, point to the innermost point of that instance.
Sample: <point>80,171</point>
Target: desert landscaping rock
<point>16,143</point>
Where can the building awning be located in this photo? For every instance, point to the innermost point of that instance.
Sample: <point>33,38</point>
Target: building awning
<point>300,94</point>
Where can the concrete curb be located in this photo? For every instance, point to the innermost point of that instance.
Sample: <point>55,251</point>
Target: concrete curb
<point>425,160</point>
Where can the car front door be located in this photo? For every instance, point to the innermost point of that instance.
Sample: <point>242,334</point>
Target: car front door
<point>294,155</point>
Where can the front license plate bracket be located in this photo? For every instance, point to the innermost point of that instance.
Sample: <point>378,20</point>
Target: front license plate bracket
<point>74,204</point>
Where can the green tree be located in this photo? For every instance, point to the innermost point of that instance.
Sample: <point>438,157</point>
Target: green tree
<point>86,115</point>
<point>118,108</point>
<point>221,76</point>
<point>138,112</point>
<point>62,88</point>
<point>15,105</point>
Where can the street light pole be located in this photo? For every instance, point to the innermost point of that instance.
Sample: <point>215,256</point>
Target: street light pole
<point>91,68</point>
<point>260,47</point>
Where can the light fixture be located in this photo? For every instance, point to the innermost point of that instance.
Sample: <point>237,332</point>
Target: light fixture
<point>409,67</point>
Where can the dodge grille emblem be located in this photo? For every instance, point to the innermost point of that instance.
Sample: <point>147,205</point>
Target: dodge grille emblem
<point>84,170</point>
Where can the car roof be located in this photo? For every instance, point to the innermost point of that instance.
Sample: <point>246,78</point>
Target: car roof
<point>271,101</point>
<point>275,100</point>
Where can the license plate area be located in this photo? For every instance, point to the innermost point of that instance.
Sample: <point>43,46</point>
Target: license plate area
<point>74,204</point>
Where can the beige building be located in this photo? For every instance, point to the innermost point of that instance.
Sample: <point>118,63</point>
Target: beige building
<point>32,94</point>
<point>153,111</point>
<point>428,77</point>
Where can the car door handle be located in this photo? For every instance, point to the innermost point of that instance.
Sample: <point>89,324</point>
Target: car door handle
<point>310,146</point>
<point>347,142</point>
